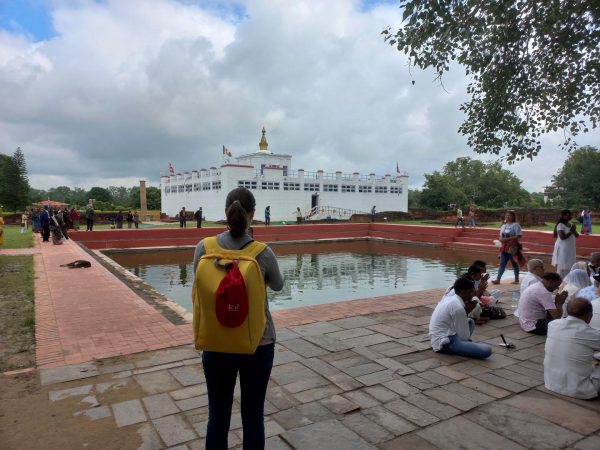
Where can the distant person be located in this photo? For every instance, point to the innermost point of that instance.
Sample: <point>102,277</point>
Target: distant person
<point>450,329</point>
<point>373,212</point>
<point>586,224</point>
<point>571,353</point>
<point>1,230</point>
<point>472,218</point>
<point>182,218</point>
<point>45,224</point>
<point>35,219</point>
<point>538,305</point>
<point>510,249</point>
<point>129,219</point>
<point>24,220</point>
<point>119,220</point>
<point>198,217</point>
<point>136,218</point>
<point>460,220</point>
<point>565,233</point>
<point>75,218</point>
<point>89,217</point>
<point>268,215</point>
<point>298,216</point>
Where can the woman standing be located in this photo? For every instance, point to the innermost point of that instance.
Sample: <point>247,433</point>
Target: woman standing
<point>510,250</point>
<point>565,233</point>
<point>221,369</point>
<point>586,224</point>
<point>35,218</point>
<point>268,215</point>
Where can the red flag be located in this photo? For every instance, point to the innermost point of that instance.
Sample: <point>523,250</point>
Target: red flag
<point>171,170</point>
<point>397,167</point>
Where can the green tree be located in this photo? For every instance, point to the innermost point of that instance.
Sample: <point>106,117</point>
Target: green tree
<point>119,195</point>
<point>14,183</point>
<point>100,194</point>
<point>466,182</point>
<point>534,66</point>
<point>578,181</point>
<point>152,197</point>
<point>414,198</point>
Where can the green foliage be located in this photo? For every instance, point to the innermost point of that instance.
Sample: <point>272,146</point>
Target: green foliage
<point>99,194</point>
<point>533,66</point>
<point>578,181</point>
<point>14,184</point>
<point>466,182</point>
<point>414,198</point>
<point>152,197</point>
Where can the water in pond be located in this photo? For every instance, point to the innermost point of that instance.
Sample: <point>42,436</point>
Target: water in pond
<point>320,273</point>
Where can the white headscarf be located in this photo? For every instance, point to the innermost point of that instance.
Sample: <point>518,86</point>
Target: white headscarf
<point>578,278</point>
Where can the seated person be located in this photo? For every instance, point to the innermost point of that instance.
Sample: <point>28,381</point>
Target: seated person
<point>595,322</point>
<point>590,292</point>
<point>538,305</point>
<point>594,264</point>
<point>535,268</point>
<point>450,329</point>
<point>482,284</point>
<point>575,280</point>
<point>570,352</point>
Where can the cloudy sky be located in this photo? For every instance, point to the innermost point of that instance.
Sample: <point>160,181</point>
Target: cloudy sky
<point>108,92</point>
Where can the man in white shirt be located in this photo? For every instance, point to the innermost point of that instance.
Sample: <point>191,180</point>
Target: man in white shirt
<point>450,329</point>
<point>535,269</point>
<point>569,366</point>
<point>538,305</point>
<point>591,292</point>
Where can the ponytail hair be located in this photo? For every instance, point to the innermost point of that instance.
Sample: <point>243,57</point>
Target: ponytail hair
<point>239,205</point>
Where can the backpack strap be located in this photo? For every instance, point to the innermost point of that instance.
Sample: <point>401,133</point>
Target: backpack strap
<point>251,249</point>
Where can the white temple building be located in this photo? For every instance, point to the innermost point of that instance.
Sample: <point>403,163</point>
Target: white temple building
<point>274,183</point>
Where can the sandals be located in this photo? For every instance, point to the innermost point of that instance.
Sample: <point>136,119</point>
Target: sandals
<point>495,281</point>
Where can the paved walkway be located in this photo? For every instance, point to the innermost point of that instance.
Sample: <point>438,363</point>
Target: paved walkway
<point>363,382</point>
<point>352,375</point>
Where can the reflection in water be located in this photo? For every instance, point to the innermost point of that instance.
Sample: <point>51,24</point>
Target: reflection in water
<point>320,273</point>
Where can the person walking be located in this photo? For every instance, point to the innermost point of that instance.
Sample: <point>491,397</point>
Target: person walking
<point>89,217</point>
<point>136,219</point>
<point>1,230</point>
<point>129,219</point>
<point>471,218</point>
<point>221,369</point>
<point>460,220</point>
<point>268,215</point>
<point>510,234</point>
<point>373,212</point>
<point>198,217</point>
<point>35,219</point>
<point>564,253</point>
<point>182,218</point>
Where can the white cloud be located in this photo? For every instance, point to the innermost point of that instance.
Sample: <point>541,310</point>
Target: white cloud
<point>127,86</point>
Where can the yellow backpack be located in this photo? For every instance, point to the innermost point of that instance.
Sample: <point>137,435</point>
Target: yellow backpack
<point>229,296</point>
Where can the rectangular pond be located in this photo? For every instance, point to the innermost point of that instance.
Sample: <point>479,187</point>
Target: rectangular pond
<point>318,273</point>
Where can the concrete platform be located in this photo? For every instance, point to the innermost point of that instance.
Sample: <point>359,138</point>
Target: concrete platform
<point>350,375</point>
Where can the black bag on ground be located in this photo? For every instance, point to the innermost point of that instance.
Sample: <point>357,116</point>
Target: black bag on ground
<point>493,312</point>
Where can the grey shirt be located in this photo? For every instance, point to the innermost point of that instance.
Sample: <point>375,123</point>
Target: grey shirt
<point>268,266</point>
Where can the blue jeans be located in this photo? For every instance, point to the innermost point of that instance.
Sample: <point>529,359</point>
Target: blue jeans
<point>466,348</point>
<point>505,257</point>
<point>221,370</point>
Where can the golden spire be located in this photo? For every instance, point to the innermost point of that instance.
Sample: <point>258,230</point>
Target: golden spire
<point>263,141</point>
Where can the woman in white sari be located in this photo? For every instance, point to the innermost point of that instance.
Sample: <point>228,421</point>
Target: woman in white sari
<point>574,281</point>
<point>565,233</point>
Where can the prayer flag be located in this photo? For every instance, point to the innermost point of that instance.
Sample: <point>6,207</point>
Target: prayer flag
<point>397,167</point>
<point>171,170</point>
<point>226,151</point>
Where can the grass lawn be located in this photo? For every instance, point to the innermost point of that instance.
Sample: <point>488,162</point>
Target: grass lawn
<point>14,239</point>
<point>17,314</point>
